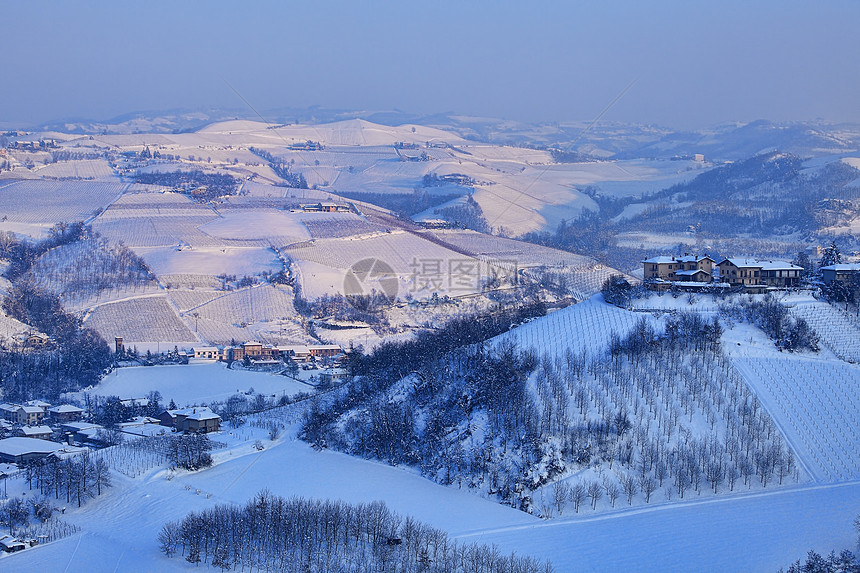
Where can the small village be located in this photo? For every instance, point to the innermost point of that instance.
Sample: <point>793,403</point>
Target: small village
<point>38,432</point>
<point>699,273</point>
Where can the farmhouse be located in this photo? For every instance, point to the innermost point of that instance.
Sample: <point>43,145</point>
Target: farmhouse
<point>202,421</point>
<point>842,272</point>
<point>752,272</point>
<point>23,415</point>
<point>197,419</point>
<point>11,544</point>
<point>687,268</point>
<point>324,350</point>
<point>81,432</point>
<point>37,339</point>
<point>325,208</point>
<point>206,352</point>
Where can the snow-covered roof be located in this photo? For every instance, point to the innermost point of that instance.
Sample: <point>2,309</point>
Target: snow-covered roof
<point>30,409</point>
<point>205,349</point>
<point>660,260</point>
<point>741,262</point>
<point>203,414</point>
<point>65,409</point>
<point>779,266</point>
<point>192,412</point>
<point>38,403</point>
<point>79,426</point>
<point>691,272</point>
<point>297,348</point>
<point>139,421</point>
<point>324,347</point>
<point>667,259</point>
<point>842,267</point>
<point>35,430</point>
<point>22,446</point>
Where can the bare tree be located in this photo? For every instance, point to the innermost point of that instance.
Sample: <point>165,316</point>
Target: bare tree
<point>647,484</point>
<point>577,495</point>
<point>560,493</point>
<point>628,486</point>
<point>612,490</point>
<point>595,492</point>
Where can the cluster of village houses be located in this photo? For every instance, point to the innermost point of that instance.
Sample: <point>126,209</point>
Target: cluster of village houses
<point>34,424</point>
<point>692,272</point>
<point>262,354</point>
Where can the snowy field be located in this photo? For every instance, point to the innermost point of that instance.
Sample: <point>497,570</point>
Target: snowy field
<point>257,224</point>
<point>33,204</point>
<point>817,404</point>
<point>195,383</point>
<point>752,533</point>
<point>211,261</point>
<point>584,327</point>
<point>839,331</point>
<point>138,320</point>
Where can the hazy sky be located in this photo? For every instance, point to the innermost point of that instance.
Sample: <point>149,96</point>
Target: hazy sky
<point>695,63</point>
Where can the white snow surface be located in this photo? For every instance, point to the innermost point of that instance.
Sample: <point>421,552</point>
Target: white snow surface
<point>758,532</point>
<point>194,383</point>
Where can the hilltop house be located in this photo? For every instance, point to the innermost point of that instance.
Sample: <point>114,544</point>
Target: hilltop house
<point>752,272</point>
<point>197,419</point>
<point>841,272</point>
<point>688,268</point>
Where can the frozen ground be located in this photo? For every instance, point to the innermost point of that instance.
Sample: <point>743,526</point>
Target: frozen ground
<point>758,532</point>
<point>194,383</point>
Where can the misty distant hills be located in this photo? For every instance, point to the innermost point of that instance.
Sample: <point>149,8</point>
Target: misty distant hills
<point>605,140</point>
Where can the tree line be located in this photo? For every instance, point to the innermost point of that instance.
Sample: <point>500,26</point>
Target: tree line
<point>315,536</point>
<point>76,479</point>
<point>282,169</point>
<point>198,184</point>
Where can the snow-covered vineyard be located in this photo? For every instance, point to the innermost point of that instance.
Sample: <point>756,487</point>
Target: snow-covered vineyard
<point>490,400</point>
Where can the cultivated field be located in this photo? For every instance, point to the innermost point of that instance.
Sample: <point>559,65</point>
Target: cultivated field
<point>149,319</point>
<point>38,204</point>
<point>817,405</point>
<point>838,331</point>
<point>585,327</point>
<point>261,303</point>
<point>82,169</point>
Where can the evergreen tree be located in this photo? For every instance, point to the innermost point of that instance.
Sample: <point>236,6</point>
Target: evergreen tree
<point>831,256</point>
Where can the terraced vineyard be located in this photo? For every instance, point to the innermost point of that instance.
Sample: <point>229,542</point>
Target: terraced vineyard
<point>837,330</point>
<point>49,202</point>
<point>585,327</point>
<point>817,404</point>
<point>148,319</point>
